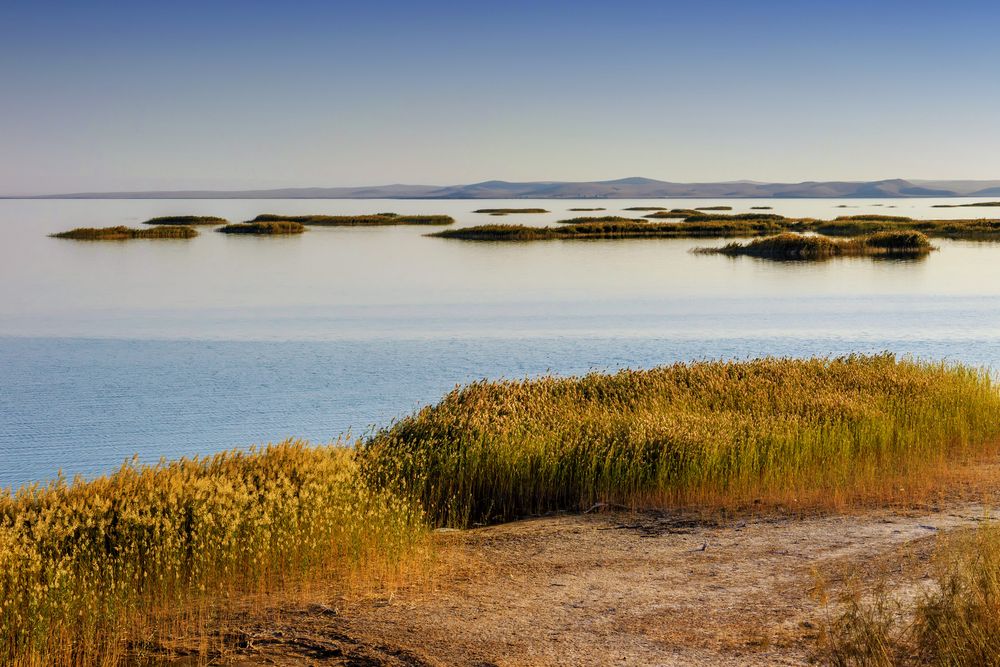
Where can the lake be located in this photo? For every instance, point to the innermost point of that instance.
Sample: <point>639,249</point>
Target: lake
<point>188,347</point>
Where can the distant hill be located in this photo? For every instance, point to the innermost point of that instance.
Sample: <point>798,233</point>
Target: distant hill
<point>623,188</point>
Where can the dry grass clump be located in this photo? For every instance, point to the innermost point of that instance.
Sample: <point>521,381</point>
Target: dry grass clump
<point>90,572</point>
<point>372,220</point>
<point>275,227</point>
<point>186,220</point>
<point>796,247</point>
<point>955,622</point>
<point>122,233</point>
<point>819,431</point>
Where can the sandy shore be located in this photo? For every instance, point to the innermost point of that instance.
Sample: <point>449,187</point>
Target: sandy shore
<point>648,588</point>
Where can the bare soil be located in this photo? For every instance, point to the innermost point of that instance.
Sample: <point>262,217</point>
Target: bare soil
<point>614,588</point>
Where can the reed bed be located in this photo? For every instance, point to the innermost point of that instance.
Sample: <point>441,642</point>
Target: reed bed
<point>371,220</point>
<point>875,217</point>
<point>272,228</point>
<point>797,247</point>
<point>802,432</point>
<point>93,571</point>
<point>678,213</point>
<point>614,228</point>
<point>955,622</point>
<point>122,233</point>
<point>186,220</point>
<point>506,211</point>
<point>990,204</point>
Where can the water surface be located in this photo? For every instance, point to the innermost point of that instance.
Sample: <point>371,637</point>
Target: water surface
<point>167,348</point>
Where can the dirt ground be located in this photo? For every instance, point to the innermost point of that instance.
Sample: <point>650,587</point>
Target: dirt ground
<point>605,588</point>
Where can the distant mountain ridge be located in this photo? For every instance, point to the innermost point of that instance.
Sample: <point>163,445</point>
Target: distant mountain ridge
<point>624,188</point>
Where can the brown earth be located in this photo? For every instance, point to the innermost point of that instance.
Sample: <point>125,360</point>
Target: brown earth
<point>610,588</point>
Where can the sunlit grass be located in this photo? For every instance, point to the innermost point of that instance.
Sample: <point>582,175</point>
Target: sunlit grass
<point>818,431</point>
<point>122,233</point>
<point>955,622</point>
<point>90,569</point>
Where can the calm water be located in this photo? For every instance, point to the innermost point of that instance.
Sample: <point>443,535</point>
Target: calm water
<point>168,348</point>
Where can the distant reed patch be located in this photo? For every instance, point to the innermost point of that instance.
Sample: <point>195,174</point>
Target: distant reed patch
<point>123,233</point>
<point>270,228</point>
<point>186,220</point>
<point>368,220</point>
<point>508,211</point>
<point>799,247</point>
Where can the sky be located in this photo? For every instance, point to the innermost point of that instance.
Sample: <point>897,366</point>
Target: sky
<point>111,96</point>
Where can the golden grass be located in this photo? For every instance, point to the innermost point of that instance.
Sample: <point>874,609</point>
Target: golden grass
<point>820,431</point>
<point>92,571</point>
<point>122,233</point>
<point>955,622</point>
<point>97,572</point>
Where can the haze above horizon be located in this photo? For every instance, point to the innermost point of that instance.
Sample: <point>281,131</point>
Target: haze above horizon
<point>251,95</point>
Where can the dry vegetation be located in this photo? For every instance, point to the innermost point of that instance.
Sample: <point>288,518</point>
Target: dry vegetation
<point>506,211</point>
<point>814,430</point>
<point>798,247</point>
<point>276,227</point>
<point>371,220</point>
<point>91,572</point>
<point>956,621</point>
<point>99,572</point>
<point>123,233</point>
<point>186,220</point>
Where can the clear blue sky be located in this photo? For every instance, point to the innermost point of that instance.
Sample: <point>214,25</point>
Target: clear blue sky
<point>113,96</point>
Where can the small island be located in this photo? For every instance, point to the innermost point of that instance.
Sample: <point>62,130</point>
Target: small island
<point>122,233</point>
<point>586,209</point>
<point>714,208</point>
<point>271,228</point>
<point>645,208</point>
<point>368,220</point>
<point>506,211</point>
<point>991,204</point>
<point>798,247</point>
<point>186,220</point>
